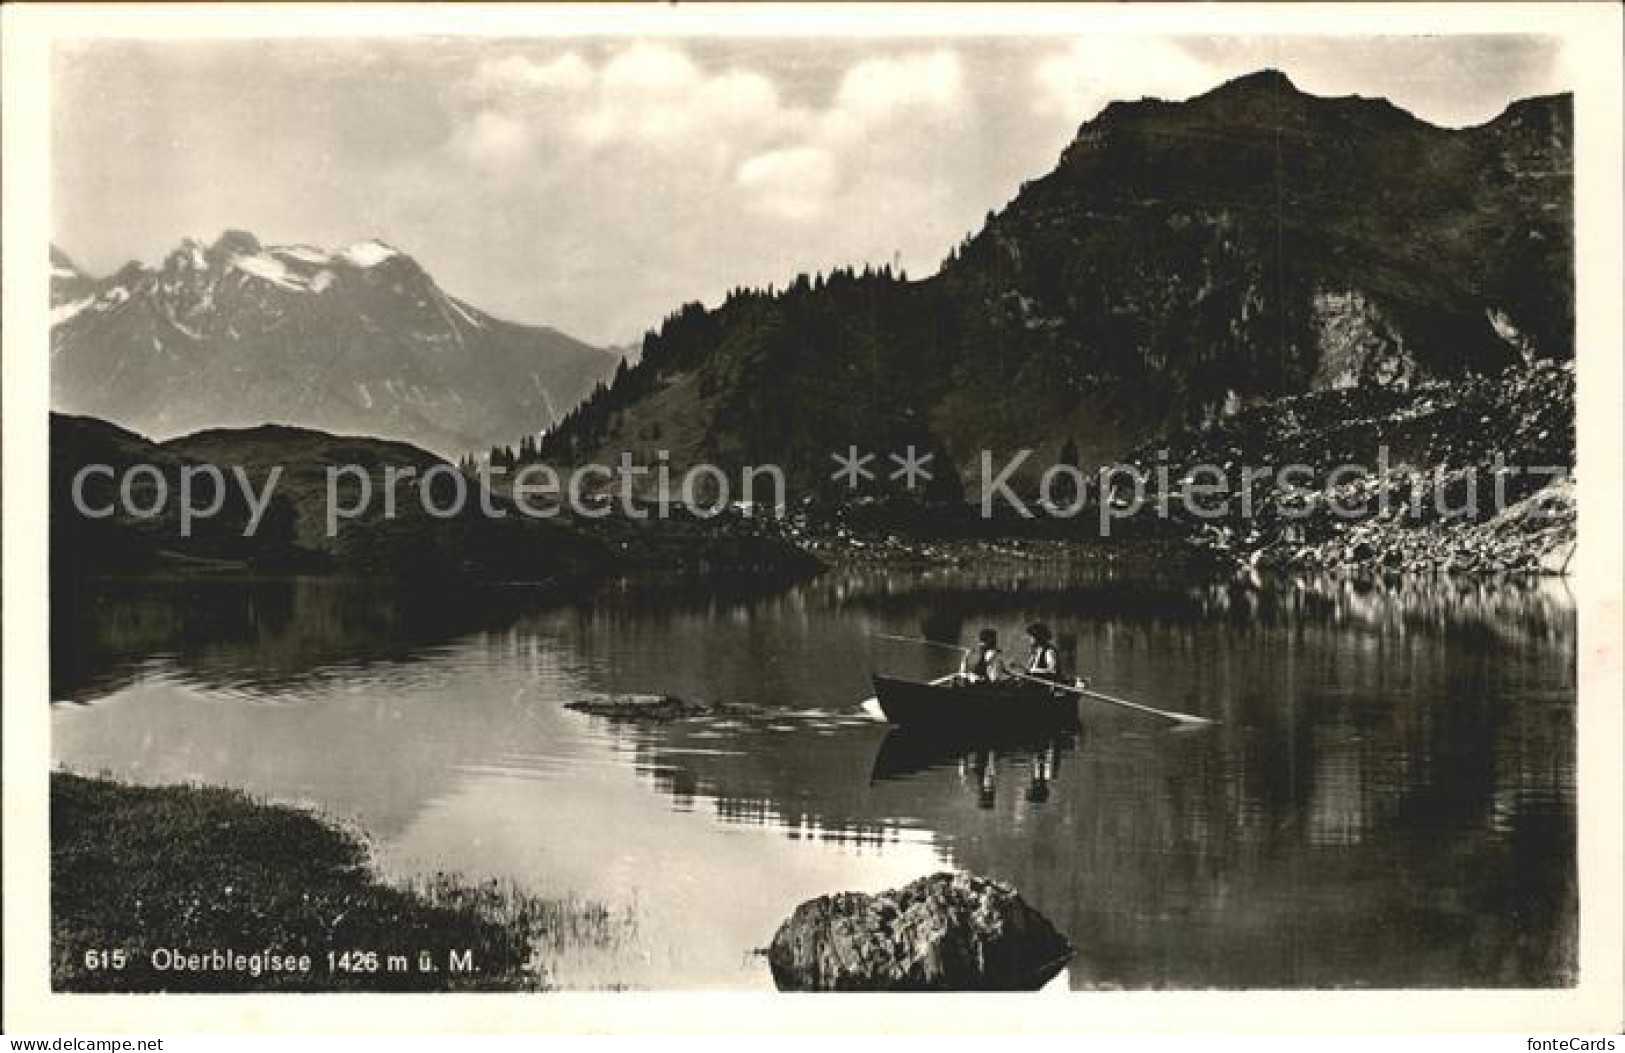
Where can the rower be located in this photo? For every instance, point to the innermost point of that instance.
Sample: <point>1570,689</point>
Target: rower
<point>1043,663</point>
<point>984,664</point>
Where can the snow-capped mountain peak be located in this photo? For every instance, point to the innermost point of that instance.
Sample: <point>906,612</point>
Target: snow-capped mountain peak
<point>188,256</point>
<point>71,289</point>
<point>361,339</point>
<point>62,268</point>
<point>369,253</point>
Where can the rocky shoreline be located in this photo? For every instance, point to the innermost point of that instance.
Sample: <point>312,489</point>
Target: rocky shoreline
<point>1475,477</point>
<point>1536,535</point>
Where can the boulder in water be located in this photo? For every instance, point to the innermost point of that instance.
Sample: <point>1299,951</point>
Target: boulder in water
<point>638,707</point>
<point>945,932</point>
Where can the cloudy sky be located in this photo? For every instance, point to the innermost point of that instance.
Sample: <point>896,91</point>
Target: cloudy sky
<point>594,184</point>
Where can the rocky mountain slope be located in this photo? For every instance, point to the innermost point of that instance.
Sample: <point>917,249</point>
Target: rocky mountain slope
<point>1467,477</point>
<point>362,340</point>
<point>1183,261</point>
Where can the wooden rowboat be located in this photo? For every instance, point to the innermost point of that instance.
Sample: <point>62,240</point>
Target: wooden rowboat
<point>961,708</point>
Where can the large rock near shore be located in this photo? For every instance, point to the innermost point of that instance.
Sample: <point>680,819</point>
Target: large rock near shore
<point>945,932</point>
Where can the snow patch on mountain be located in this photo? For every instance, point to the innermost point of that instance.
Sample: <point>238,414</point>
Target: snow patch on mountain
<point>368,253</point>
<point>64,311</point>
<point>271,269</point>
<point>304,254</point>
<point>184,329</point>
<point>463,312</point>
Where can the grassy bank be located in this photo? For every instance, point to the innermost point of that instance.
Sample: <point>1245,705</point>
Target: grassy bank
<point>148,884</point>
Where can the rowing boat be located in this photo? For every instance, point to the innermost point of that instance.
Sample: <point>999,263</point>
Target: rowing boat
<point>911,698</point>
<point>967,707</point>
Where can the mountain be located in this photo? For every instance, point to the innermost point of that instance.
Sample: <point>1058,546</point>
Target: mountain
<point>292,533</point>
<point>1182,262</point>
<point>409,538</point>
<point>69,285</point>
<point>237,334</point>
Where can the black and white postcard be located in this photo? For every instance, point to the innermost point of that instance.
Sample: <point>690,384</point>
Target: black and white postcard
<point>576,503</point>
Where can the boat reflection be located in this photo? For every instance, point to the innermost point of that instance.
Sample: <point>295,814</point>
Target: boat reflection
<point>905,752</point>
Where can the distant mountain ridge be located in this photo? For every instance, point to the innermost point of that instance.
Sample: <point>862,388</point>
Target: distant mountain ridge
<point>292,533</point>
<point>236,334</point>
<point>1183,261</point>
<point>126,522</point>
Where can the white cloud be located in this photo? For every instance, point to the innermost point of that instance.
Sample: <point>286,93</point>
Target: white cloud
<point>596,183</point>
<point>493,138</point>
<point>933,81</point>
<point>643,152</point>
<point>854,155</point>
<point>652,70</point>
<point>739,99</point>
<point>1078,82</point>
<point>881,93</point>
<point>794,184</point>
<point>645,94</point>
<point>518,75</point>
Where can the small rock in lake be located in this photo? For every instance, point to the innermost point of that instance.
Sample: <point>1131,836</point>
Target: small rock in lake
<point>945,932</point>
<point>638,707</point>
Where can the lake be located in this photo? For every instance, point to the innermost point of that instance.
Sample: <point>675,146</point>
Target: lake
<point>1387,799</point>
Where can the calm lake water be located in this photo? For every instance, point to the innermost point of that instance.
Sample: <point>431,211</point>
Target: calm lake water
<point>1387,801</point>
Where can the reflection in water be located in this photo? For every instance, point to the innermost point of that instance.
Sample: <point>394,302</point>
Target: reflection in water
<point>261,636</point>
<point>1046,765</point>
<point>909,751</point>
<point>1387,801</point>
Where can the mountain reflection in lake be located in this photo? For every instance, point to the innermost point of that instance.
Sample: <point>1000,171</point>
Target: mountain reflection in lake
<point>1387,801</point>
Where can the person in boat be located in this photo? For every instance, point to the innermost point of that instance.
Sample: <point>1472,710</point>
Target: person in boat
<point>983,664</point>
<point>1043,661</point>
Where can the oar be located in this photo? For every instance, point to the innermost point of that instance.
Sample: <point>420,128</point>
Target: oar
<point>922,640</point>
<point>1178,718</point>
